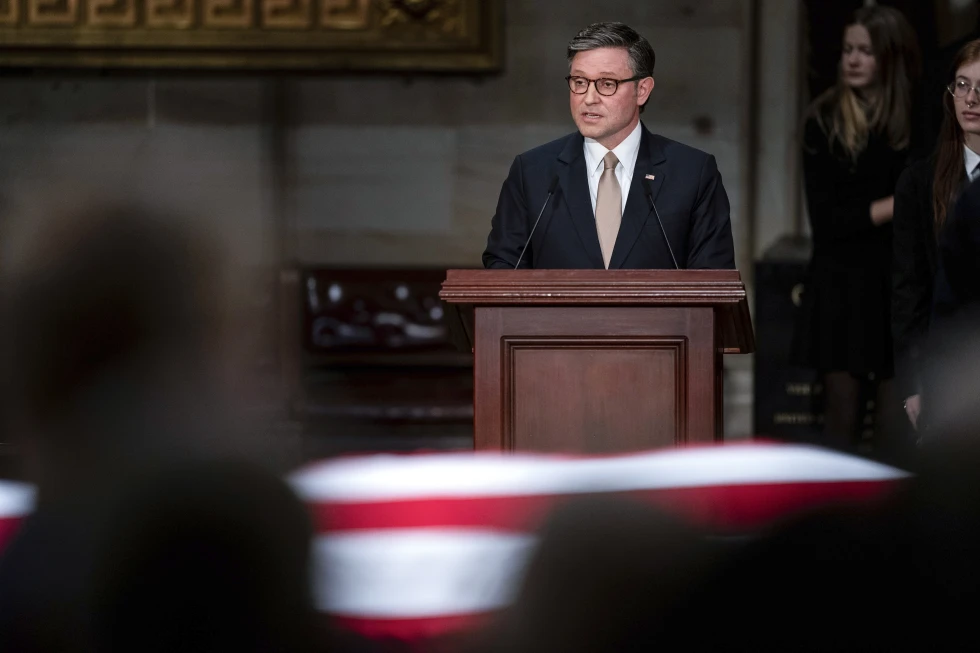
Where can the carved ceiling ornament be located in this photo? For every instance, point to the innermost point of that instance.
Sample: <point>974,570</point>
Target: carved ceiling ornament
<point>440,14</point>
<point>342,35</point>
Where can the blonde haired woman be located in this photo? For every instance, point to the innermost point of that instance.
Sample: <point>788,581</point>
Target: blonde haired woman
<point>855,142</point>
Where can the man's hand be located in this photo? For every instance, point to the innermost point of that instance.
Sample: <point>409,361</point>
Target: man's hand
<point>882,210</point>
<point>913,406</point>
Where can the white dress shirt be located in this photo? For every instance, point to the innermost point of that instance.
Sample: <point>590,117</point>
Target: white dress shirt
<point>626,153</point>
<point>971,160</point>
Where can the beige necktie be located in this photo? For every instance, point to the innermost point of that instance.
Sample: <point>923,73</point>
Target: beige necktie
<point>608,207</point>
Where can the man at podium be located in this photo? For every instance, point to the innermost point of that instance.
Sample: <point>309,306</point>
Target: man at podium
<point>611,195</point>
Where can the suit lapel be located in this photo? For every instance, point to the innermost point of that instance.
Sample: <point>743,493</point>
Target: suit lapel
<point>650,160</point>
<point>575,188</point>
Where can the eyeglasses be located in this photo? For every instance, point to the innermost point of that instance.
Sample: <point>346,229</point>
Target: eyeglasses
<point>962,89</point>
<point>603,85</point>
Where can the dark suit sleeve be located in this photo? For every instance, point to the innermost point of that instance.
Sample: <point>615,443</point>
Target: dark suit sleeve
<point>959,248</point>
<point>956,292</point>
<point>911,279</point>
<point>711,246</point>
<point>509,226</point>
<point>832,218</point>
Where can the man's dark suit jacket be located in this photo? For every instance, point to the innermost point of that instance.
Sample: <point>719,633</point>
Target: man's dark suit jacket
<point>952,365</point>
<point>914,263</point>
<point>959,252</point>
<point>686,188</point>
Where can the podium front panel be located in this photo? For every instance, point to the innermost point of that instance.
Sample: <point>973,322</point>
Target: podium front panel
<point>594,380</point>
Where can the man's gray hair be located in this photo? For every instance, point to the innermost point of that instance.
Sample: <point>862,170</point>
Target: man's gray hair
<point>615,35</point>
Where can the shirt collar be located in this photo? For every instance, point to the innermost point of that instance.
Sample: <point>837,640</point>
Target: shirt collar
<point>970,159</point>
<point>626,152</point>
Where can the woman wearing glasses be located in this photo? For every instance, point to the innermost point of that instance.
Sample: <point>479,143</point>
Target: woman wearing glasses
<point>854,148</point>
<point>923,201</point>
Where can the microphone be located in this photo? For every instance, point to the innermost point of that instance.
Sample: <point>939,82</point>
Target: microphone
<point>646,184</point>
<point>551,191</point>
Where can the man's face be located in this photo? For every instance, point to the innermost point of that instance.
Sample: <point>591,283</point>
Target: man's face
<point>607,119</point>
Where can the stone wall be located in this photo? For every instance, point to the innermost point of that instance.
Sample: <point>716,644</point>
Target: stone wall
<point>376,169</point>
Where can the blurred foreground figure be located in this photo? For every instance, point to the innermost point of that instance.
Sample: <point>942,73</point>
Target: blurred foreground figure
<point>605,572</point>
<point>901,577</point>
<point>899,574</point>
<point>146,537</point>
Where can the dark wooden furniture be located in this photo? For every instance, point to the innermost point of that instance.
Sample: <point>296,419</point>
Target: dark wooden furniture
<point>368,364</point>
<point>786,397</point>
<point>598,360</point>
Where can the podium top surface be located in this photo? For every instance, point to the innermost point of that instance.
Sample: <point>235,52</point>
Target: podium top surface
<point>721,289</point>
<point>622,287</point>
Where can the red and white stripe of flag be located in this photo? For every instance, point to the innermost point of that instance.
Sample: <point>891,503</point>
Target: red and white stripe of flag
<point>423,545</point>
<point>16,502</point>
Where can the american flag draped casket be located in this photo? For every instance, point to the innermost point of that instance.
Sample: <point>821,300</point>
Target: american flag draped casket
<point>418,546</point>
<point>16,502</point>
<point>427,545</point>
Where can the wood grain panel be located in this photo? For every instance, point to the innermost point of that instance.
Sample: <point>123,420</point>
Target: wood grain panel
<point>569,394</point>
<point>619,354</point>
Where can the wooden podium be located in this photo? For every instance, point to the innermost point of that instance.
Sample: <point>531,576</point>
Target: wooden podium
<point>597,361</point>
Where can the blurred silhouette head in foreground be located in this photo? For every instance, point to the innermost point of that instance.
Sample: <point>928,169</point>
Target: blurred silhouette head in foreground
<point>602,578</point>
<point>148,536</point>
<point>113,315</point>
